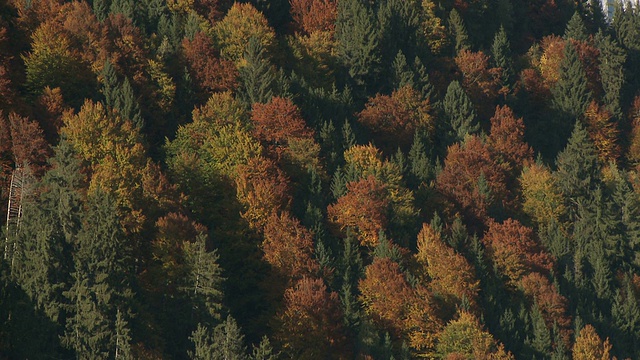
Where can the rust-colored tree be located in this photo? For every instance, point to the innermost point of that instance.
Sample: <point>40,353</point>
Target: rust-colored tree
<point>364,209</point>
<point>263,189</point>
<point>394,119</point>
<point>472,179</point>
<point>311,16</point>
<point>551,304</point>
<point>278,121</point>
<point>311,324</point>
<point>603,131</point>
<point>288,247</point>
<point>514,252</point>
<point>481,82</point>
<point>589,346</point>
<point>451,276</point>
<point>211,73</point>
<point>28,145</point>
<point>506,141</point>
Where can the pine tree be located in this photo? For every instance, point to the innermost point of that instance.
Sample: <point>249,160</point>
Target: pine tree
<point>458,32</point>
<point>402,73</point>
<point>358,36</point>
<point>460,112</point>
<point>575,28</point>
<point>570,94</point>
<point>122,338</point>
<point>541,336</point>
<point>501,51</point>
<point>257,76</point>
<point>612,72</point>
<point>264,351</point>
<point>578,169</point>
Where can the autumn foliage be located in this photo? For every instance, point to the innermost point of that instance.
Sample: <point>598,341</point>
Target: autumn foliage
<point>314,15</point>
<point>363,208</point>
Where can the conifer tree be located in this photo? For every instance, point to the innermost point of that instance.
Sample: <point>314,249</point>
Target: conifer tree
<point>458,32</point>
<point>570,94</point>
<point>578,169</point>
<point>358,36</point>
<point>501,51</point>
<point>460,112</point>
<point>612,72</point>
<point>257,76</point>
<point>575,28</point>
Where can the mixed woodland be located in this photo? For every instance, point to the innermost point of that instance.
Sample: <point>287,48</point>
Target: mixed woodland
<point>319,179</point>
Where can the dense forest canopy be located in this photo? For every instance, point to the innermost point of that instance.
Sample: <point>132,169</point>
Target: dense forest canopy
<point>319,179</point>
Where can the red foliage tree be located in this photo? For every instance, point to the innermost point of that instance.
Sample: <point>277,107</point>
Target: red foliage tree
<point>363,208</point>
<point>263,189</point>
<point>506,140</point>
<point>481,82</point>
<point>460,181</point>
<point>211,73</point>
<point>27,143</point>
<point>288,246</point>
<point>278,121</point>
<point>314,15</point>
<point>552,305</point>
<point>512,248</point>
<point>394,119</point>
<point>311,324</point>
<point>386,295</point>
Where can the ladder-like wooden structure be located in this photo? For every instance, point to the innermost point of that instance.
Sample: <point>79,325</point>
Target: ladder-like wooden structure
<point>17,192</point>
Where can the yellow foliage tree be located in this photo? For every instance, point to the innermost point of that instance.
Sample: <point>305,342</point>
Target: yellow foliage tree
<point>589,346</point>
<point>242,22</point>
<point>542,200</point>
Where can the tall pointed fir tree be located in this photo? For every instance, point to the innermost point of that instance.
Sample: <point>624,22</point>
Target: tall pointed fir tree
<point>358,36</point>
<point>257,75</point>
<point>501,52</point>
<point>612,72</point>
<point>102,281</point>
<point>571,97</point>
<point>458,32</point>
<point>460,113</point>
<point>577,174</point>
<point>576,29</point>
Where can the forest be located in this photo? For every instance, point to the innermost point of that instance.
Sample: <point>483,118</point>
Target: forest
<point>319,179</point>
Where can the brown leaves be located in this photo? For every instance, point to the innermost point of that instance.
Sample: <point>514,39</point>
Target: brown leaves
<point>603,131</point>
<point>481,82</point>
<point>451,276</point>
<point>314,15</point>
<point>211,73</point>
<point>278,121</point>
<point>363,208</point>
<point>514,252</point>
<point>263,189</point>
<point>459,180</point>
<point>288,246</point>
<point>394,119</point>
<point>312,322</point>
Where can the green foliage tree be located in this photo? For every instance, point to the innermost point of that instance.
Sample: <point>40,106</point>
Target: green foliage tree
<point>460,113</point>
<point>257,76</point>
<point>458,32</point>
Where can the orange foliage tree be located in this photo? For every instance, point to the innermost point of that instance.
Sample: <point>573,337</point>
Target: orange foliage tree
<point>398,308</point>
<point>603,131</point>
<point>465,167</point>
<point>363,208</point>
<point>450,274</point>
<point>312,16</point>
<point>481,82</point>
<point>551,304</point>
<point>26,143</point>
<point>288,246</point>
<point>278,121</point>
<point>394,119</point>
<point>464,338</point>
<point>506,141</point>
<point>589,346</point>
<point>211,73</point>
<point>263,189</point>
<point>514,252</point>
<point>311,324</point>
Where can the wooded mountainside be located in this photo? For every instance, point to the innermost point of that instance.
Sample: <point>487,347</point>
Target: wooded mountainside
<point>319,179</point>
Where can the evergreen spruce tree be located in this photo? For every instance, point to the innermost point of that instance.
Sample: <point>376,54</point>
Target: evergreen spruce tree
<point>204,280</point>
<point>626,319</point>
<point>578,169</point>
<point>597,18</point>
<point>358,36</point>
<point>101,9</point>
<point>458,32</point>
<point>541,342</point>
<point>570,94</point>
<point>257,76</point>
<point>421,81</point>
<point>501,51</point>
<point>576,29</point>
<point>264,351</point>
<point>124,7</point>
<point>460,113</point>
<point>123,338</point>
<point>228,341</point>
<point>128,105</point>
<point>403,75</point>
<point>612,72</point>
